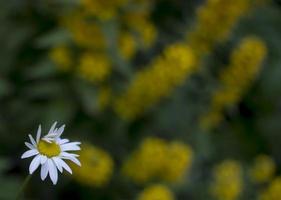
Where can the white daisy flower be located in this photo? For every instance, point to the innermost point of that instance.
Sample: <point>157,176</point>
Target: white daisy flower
<point>50,151</point>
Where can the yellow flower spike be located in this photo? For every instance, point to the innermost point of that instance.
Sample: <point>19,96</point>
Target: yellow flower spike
<point>104,97</point>
<point>273,191</point>
<point>210,29</point>
<point>147,33</point>
<point>156,192</point>
<point>94,67</point>
<point>127,45</point>
<point>104,10</point>
<point>211,119</point>
<point>158,159</point>
<point>263,169</point>
<point>146,161</point>
<point>61,56</point>
<point>179,159</point>
<point>245,64</point>
<point>156,81</point>
<point>228,181</point>
<point>97,166</point>
<point>84,32</point>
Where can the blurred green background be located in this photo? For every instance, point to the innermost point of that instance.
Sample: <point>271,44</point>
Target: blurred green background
<point>171,99</point>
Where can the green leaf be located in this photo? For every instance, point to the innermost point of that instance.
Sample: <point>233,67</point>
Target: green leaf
<point>53,38</point>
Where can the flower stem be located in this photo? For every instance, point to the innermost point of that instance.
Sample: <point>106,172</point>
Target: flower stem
<point>24,184</point>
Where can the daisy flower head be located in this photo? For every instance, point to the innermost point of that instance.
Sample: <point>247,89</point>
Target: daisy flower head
<point>50,151</point>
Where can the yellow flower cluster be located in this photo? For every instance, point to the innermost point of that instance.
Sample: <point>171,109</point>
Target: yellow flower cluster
<point>178,161</point>
<point>139,23</point>
<point>127,45</point>
<point>235,79</point>
<point>157,159</point>
<point>93,62</point>
<point>94,67</point>
<point>273,192</point>
<point>85,33</point>
<point>156,81</point>
<point>86,23</point>
<point>102,9</point>
<point>61,56</point>
<point>156,192</point>
<point>96,166</point>
<point>263,169</point>
<point>147,33</point>
<point>147,161</point>
<point>215,21</point>
<point>228,182</point>
<point>104,97</point>
<point>88,32</point>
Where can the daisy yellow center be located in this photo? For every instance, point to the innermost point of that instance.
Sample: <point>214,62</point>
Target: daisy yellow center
<point>48,149</point>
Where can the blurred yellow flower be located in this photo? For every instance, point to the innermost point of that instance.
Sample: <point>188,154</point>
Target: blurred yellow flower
<point>273,192</point>
<point>97,166</point>
<point>228,181</point>
<point>211,118</point>
<point>104,97</point>
<point>146,161</point>
<point>147,33</point>
<point>61,56</point>
<point>95,67</point>
<point>85,33</point>
<point>138,15</point>
<point>178,161</point>
<point>127,45</point>
<point>156,192</point>
<point>215,21</point>
<point>263,169</point>
<point>157,159</point>
<point>139,22</point>
<point>156,81</point>
<point>102,9</point>
<point>245,63</point>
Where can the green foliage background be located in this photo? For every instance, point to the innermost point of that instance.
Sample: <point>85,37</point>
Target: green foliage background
<point>34,91</point>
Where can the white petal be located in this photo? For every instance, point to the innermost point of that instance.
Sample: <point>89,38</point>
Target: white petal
<point>47,140</point>
<point>63,141</point>
<point>43,159</point>
<point>53,171</point>
<point>76,143</point>
<point>57,162</point>
<point>52,128</point>
<point>55,131</point>
<point>34,164</point>
<point>73,146</point>
<point>73,159</point>
<point>38,135</point>
<point>30,146</point>
<point>65,154</point>
<point>76,161</point>
<point>44,171</point>
<point>29,153</point>
<point>60,130</point>
<point>51,135</point>
<point>65,166</point>
<point>32,140</point>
